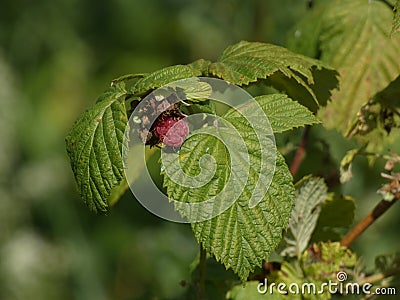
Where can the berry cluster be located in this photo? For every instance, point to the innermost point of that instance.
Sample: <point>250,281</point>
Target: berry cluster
<point>172,131</point>
<point>170,126</point>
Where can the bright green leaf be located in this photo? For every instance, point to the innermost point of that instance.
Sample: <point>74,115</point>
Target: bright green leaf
<point>241,237</point>
<point>94,146</point>
<point>127,77</point>
<point>161,77</point>
<point>194,90</point>
<point>246,62</point>
<point>285,114</point>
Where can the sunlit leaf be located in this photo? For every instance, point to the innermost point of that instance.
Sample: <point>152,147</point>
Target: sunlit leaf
<point>246,62</point>
<point>355,40</point>
<point>161,77</point>
<point>283,113</point>
<point>241,237</point>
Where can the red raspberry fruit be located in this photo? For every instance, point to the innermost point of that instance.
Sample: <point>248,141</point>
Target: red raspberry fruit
<point>174,137</point>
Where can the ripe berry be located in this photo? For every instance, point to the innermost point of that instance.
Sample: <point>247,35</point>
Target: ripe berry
<point>170,130</point>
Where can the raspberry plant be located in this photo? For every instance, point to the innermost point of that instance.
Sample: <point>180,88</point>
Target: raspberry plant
<point>347,78</point>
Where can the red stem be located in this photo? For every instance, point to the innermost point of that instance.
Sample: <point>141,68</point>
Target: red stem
<point>301,152</point>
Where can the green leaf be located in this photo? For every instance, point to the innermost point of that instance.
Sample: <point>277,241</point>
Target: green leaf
<point>355,40</point>
<point>283,113</point>
<point>94,146</point>
<point>201,65</point>
<point>336,215</point>
<point>117,192</point>
<point>304,36</point>
<point>396,18</point>
<point>378,121</point>
<point>161,77</point>
<point>127,77</point>
<point>241,237</point>
<point>310,194</point>
<point>193,89</point>
<point>390,95</point>
<point>246,62</point>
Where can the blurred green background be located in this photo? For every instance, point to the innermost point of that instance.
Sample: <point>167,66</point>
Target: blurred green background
<point>55,58</point>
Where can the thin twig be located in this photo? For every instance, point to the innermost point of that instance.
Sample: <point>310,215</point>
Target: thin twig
<point>378,210</point>
<point>301,152</point>
<point>202,273</point>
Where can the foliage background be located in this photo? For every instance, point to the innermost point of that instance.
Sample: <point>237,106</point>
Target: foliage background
<point>55,58</point>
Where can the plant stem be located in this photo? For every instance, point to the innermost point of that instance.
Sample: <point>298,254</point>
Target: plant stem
<point>301,152</point>
<point>378,210</point>
<point>202,273</point>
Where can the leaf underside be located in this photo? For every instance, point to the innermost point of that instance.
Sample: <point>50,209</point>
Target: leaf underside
<point>310,194</point>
